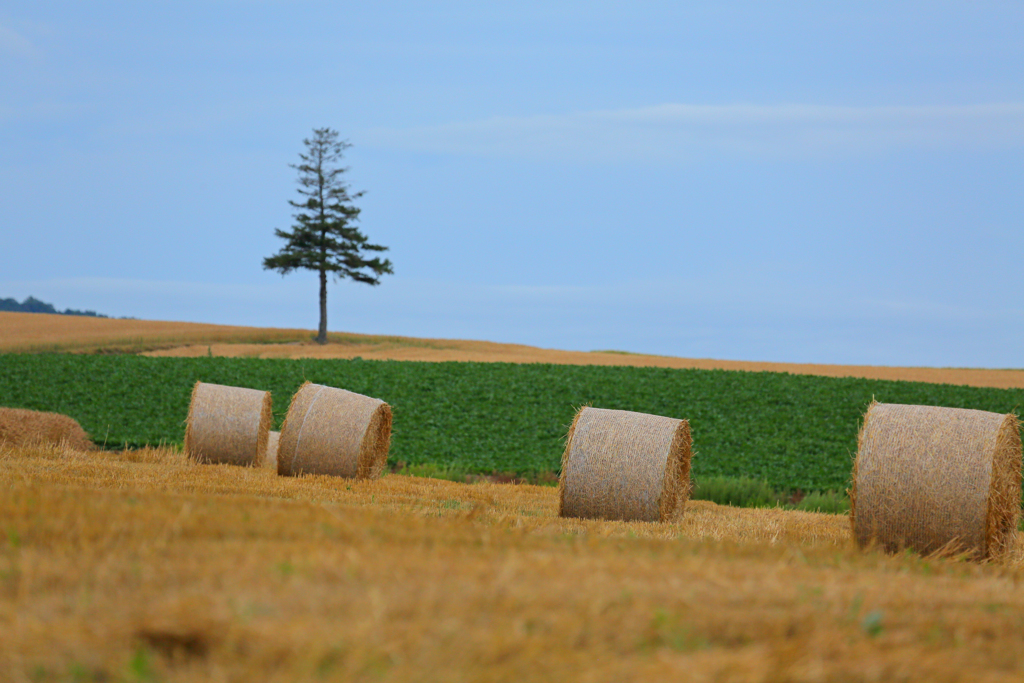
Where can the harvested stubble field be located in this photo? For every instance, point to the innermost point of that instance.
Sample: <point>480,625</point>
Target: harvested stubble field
<point>35,332</point>
<point>145,566</point>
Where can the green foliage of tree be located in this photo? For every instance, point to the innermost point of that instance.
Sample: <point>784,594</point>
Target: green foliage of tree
<point>324,237</point>
<point>29,305</point>
<point>34,305</point>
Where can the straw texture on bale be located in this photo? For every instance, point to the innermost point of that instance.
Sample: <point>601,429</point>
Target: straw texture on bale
<point>228,424</point>
<point>20,427</point>
<point>936,480</point>
<point>333,431</point>
<point>624,465</point>
<point>273,440</point>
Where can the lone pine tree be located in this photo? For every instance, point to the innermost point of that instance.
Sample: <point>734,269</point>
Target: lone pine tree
<point>323,237</point>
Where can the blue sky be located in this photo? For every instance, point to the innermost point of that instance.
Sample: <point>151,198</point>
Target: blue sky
<point>808,182</point>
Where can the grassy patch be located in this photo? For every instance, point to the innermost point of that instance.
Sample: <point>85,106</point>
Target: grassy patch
<point>738,491</point>
<point>754,493</point>
<point>826,501</point>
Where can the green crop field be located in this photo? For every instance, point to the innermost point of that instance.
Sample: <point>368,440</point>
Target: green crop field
<point>792,431</point>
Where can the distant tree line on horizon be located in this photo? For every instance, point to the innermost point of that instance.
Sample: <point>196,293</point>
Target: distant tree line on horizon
<point>34,305</point>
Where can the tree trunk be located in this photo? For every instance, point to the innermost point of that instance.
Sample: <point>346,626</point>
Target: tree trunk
<point>321,337</point>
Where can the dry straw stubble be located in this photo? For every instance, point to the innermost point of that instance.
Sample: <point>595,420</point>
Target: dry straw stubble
<point>626,466</point>
<point>937,480</point>
<point>228,424</point>
<point>336,432</point>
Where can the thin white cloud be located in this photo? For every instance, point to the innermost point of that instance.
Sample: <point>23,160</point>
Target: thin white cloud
<point>678,132</point>
<point>13,43</point>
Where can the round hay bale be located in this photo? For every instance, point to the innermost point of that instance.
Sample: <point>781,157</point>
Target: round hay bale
<point>936,479</point>
<point>20,427</point>
<point>333,431</point>
<point>623,465</point>
<point>273,439</point>
<point>228,424</point>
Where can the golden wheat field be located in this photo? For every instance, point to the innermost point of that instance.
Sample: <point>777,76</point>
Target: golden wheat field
<point>36,332</point>
<point>33,332</point>
<point>146,566</point>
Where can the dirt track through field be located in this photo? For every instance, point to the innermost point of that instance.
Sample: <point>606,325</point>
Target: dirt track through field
<point>37,332</point>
